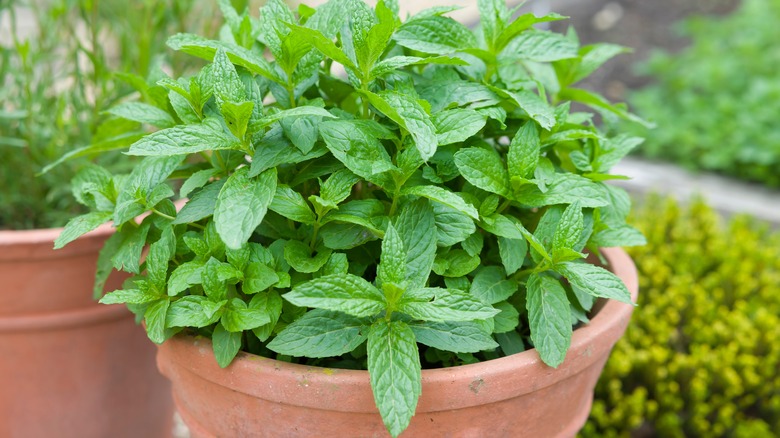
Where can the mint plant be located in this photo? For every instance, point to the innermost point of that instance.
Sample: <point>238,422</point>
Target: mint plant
<point>427,204</point>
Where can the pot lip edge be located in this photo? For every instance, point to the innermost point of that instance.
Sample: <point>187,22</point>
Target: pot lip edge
<point>579,358</point>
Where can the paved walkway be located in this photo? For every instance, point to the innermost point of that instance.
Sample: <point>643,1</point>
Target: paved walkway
<point>724,194</point>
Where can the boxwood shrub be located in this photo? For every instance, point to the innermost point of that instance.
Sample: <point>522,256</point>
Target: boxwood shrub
<point>701,356</point>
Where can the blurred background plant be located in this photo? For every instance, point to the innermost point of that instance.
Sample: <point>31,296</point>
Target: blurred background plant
<point>717,102</point>
<point>700,357</point>
<point>56,59</point>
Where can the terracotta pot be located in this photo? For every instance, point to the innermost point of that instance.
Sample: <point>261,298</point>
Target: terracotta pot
<point>509,397</point>
<point>70,367</point>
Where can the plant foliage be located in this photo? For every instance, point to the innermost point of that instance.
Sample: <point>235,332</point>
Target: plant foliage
<point>701,359</point>
<point>56,78</point>
<point>439,192</point>
<point>717,112</point>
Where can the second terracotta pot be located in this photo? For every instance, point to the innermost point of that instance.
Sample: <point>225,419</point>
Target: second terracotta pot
<point>513,396</point>
<point>70,367</point>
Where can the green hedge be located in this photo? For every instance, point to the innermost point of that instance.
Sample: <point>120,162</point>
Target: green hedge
<point>716,104</point>
<point>701,356</point>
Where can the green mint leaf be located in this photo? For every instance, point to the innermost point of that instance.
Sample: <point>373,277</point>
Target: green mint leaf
<point>594,280</point>
<point>271,303</point>
<point>484,169</point>
<point>227,85</point>
<point>155,320</point>
<point>276,152</point>
<point>512,253</point>
<point>508,318</point>
<point>457,125</point>
<point>105,265</point>
<point>237,317</point>
<point>336,264</point>
<point>378,37</point>
<point>443,196</point>
<point>323,44</point>
<point>302,131</point>
<point>196,181</point>
<point>184,276</point>
<point>511,342</point>
<point>613,150</point>
<point>455,263</point>
<point>272,28</point>
<point>474,243</point>
<point>592,57</point>
<point>129,296</point>
<point>205,49</point>
<point>160,252</point>
<point>214,287</point>
<point>201,205</point>
<point>407,112</point>
<point>301,111</point>
<point>348,294</point>
<point>392,262</point>
<point>395,372</point>
<point>524,151</point>
<point>457,337</point>
<point>621,235</point>
<point>143,113</point>
<point>414,225</point>
<point>360,152</point>
<point>242,204</point>
<point>566,188</point>
<point>569,231</point>
<point>299,256</point>
<point>81,225</point>
<point>128,253</point>
<point>193,311</point>
<point>320,333</point>
<point>452,226</point>
<point>541,46</point>
<point>436,304</point>
<point>549,317</point>
<point>536,107</point>
<point>290,204</point>
<point>435,34</point>
<point>446,93</point>
<point>523,22</point>
<point>184,139</point>
<point>597,102</point>
<point>225,344</point>
<point>395,63</point>
<point>491,286</point>
<point>369,213</point>
<point>492,19</point>
<point>258,277</point>
<point>338,186</point>
<point>237,116</point>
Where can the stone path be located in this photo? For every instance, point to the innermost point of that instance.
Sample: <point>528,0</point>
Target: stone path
<point>727,195</point>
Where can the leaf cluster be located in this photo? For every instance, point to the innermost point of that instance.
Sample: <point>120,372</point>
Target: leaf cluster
<point>57,76</point>
<point>719,113</point>
<point>374,186</point>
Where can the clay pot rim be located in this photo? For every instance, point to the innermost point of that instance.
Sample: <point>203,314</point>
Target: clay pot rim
<point>64,319</point>
<point>275,380</point>
<point>38,235</point>
<point>14,243</point>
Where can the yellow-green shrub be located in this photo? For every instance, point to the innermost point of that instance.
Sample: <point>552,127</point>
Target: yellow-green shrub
<point>702,354</point>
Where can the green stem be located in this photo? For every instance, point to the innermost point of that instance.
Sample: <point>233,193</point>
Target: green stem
<point>161,214</point>
<point>504,206</point>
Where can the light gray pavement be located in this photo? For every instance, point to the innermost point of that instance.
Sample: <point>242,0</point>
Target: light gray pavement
<point>724,194</point>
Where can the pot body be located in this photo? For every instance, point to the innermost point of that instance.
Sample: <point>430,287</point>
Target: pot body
<point>514,396</point>
<point>70,367</point>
